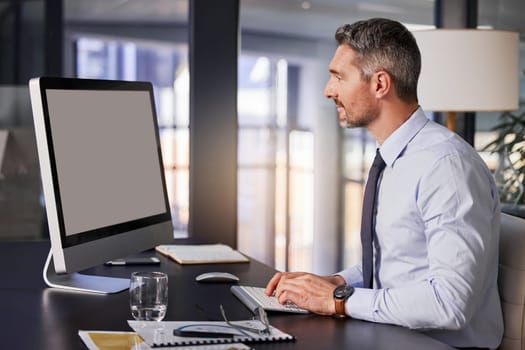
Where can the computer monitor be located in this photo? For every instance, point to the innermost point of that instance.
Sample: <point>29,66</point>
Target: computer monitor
<point>102,176</point>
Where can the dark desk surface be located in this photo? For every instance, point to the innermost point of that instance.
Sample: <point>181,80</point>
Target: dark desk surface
<point>36,317</point>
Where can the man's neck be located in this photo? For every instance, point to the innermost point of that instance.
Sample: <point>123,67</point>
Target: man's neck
<point>390,119</point>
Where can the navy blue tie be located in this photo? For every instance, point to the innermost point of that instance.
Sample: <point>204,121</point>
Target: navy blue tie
<point>367,222</point>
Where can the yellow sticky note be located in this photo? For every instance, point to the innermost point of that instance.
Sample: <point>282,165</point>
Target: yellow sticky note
<point>115,341</point>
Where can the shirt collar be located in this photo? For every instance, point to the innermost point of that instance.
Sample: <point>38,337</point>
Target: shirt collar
<point>395,144</point>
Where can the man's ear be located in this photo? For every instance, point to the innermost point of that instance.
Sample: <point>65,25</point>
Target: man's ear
<point>382,83</point>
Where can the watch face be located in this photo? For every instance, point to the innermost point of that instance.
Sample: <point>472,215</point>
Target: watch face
<point>343,291</point>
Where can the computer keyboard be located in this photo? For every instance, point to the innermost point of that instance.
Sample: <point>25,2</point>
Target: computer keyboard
<point>254,297</point>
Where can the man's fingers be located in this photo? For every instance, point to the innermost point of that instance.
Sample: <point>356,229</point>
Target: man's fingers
<point>306,290</point>
<point>290,288</point>
<point>272,284</point>
<point>279,277</point>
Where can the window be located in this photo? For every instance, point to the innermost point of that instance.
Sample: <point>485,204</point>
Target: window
<point>275,177</point>
<point>358,155</point>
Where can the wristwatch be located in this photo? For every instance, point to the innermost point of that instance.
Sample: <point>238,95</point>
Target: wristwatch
<point>341,295</point>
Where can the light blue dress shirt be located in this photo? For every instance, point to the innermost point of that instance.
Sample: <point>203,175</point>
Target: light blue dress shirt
<point>436,242</point>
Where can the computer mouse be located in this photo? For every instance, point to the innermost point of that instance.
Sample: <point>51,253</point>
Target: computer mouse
<point>216,277</point>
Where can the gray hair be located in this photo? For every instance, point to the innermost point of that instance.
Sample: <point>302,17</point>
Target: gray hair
<point>383,44</point>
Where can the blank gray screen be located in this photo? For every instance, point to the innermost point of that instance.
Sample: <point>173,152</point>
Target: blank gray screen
<point>106,157</point>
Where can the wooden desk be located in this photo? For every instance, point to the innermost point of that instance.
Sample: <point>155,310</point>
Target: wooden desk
<point>36,317</point>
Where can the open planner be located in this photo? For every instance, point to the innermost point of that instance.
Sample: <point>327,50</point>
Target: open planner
<point>164,333</point>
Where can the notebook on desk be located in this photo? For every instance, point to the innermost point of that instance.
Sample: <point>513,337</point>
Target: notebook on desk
<point>202,253</point>
<point>165,333</point>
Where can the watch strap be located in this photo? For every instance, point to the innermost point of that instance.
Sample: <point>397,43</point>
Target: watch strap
<point>340,308</point>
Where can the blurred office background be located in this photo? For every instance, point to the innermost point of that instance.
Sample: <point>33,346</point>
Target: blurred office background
<point>299,176</point>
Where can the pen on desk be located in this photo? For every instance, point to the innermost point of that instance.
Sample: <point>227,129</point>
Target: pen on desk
<point>201,334</point>
<point>133,261</point>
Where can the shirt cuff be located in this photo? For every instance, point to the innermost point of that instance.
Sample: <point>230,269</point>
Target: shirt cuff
<point>352,276</point>
<point>361,304</point>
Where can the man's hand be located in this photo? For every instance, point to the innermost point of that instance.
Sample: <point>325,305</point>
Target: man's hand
<point>306,290</point>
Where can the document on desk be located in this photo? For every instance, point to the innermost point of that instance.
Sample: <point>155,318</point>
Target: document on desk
<point>201,253</point>
<point>168,333</point>
<point>103,340</point>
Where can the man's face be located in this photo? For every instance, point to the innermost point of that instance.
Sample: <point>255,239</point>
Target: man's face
<point>353,96</point>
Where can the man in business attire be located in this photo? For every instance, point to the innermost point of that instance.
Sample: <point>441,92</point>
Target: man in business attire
<point>431,212</point>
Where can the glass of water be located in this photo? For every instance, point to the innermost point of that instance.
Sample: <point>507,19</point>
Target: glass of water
<point>148,295</point>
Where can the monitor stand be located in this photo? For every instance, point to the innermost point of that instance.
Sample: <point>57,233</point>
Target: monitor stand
<point>82,283</point>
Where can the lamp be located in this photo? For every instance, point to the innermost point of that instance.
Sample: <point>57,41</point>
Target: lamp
<point>467,70</point>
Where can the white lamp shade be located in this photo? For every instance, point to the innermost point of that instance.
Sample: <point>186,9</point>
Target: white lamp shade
<point>466,70</point>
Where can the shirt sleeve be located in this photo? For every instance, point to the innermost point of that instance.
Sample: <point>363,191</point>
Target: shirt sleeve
<point>457,207</point>
<point>353,276</point>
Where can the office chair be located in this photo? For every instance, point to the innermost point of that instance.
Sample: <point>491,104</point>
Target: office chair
<point>511,281</point>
